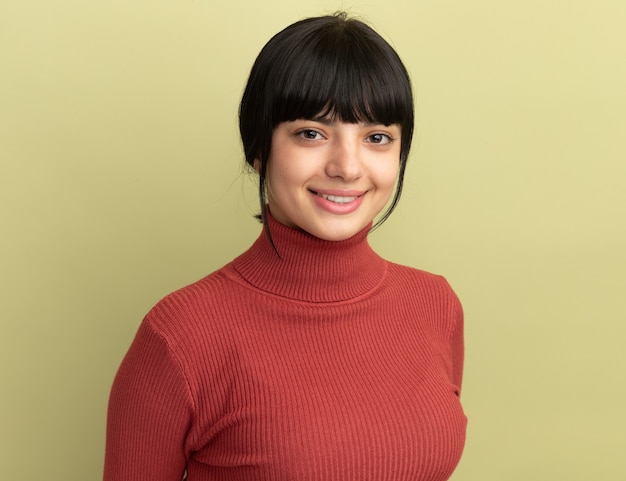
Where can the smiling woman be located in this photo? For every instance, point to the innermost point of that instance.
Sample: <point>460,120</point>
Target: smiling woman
<point>308,357</point>
<point>331,179</point>
<point>331,68</point>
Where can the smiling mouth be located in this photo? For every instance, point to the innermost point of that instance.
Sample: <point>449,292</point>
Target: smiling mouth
<point>337,199</point>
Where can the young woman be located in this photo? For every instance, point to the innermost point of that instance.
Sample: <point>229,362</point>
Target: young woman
<point>308,357</point>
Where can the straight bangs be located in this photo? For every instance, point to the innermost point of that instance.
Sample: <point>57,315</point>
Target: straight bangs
<point>343,79</point>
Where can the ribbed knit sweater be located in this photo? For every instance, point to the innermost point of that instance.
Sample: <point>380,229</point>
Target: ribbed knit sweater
<point>327,363</point>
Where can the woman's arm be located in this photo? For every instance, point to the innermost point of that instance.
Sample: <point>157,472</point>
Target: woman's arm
<point>150,410</point>
<point>458,345</point>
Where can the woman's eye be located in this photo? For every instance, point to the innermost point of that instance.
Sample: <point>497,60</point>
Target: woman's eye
<point>310,134</point>
<point>379,138</point>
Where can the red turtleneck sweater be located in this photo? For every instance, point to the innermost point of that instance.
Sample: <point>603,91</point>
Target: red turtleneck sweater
<point>326,364</point>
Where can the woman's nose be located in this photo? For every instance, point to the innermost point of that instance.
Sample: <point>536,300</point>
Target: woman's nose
<point>344,160</point>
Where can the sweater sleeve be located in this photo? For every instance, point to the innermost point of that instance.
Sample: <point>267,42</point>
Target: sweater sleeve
<point>457,347</point>
<point>150,411</point>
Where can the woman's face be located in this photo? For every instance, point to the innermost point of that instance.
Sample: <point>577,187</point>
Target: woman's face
<point>331,178</point>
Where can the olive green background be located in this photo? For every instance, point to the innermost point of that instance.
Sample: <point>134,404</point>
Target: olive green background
<point>121,179</point>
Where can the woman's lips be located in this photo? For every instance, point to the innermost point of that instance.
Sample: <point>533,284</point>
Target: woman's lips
<point>338,201</point>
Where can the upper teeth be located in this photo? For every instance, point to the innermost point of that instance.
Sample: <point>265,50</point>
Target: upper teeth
<point>337,198</point>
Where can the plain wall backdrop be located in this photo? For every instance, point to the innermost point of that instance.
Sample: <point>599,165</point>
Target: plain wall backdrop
<point>121,179</point>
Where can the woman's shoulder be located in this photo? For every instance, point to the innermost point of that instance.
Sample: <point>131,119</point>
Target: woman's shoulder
<point>189,326</point>
<point>423,285</point>
<point>429,291</point>
<point>197,305</point>
<point>418,277</point>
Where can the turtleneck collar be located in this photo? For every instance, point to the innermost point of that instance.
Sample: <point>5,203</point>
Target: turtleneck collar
<point>311,269</point>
